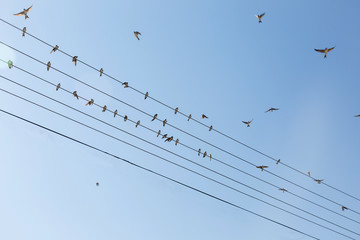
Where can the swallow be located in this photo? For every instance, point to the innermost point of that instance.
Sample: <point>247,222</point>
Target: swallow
<point>74,59</point>
<point>24,12</point>
<point>325,51</point>
<point>155,116</point>
<point>262,167</point>
<point>54,49</point>
<point>176,110</point>
<point>203,116</point>
<point>277,162</point>
<point>101,71</point>
<point>259,17</point>
<point>344,208</point>
<point>125,118</point>
<point>272,109</point>
<point>115,113</point>
<point>159,132</point>
<point>210,156</point>
<point>176,142</point>
<point>91,102</point>
<point>126,84</point>
<point>75,95</point>
<point>164,122</point>
<point>205,154</point>
<point>169,139</point>
<point>10,64</point>
<point>58,86</point>
<point>283,190</point>
<point>48,65</point>
<point>104,108</point>
<point>308,173</point>
<point>318,181</point>
<point>146,95</point>
<point>24,31</point>
<point>137,124</point>
<point>210,128</point>
<point>164,136</point>
<point>357,115</point>
<point>136,33</point>
<point>189,117</point>
<point>248,122</point>
<point>199,151</point>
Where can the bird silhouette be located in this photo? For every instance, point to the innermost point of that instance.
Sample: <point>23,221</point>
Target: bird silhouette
<point>74,59</point>
<point>146,95</point>
<point>115,113</point>
<point>203,116</point>
<point>210,128</point>
<point>344,208</point>
<point>48,65</point>
<point>24,12</point>
<point>283,190</point>
<point>164,122</point>
<point>248,122</point>
<point>176,142</point>
<point>104,108</point>
<point>126,84</point>
<point>136,33</point>
<point>159,132</point>
<point>262,167</point>
<point>101,71</point>
<point>325,51</point>
<point>189,117</point>
<point>24,31</point>
<point>169,139</point>
<point>137,124</point>
<point>58,86</point>
<point>75,95</point>
<point>54,49</point>
<point>210,156</point>
<point>97,184</point>
<point>259,17</point>
<point>164,136</point>
<point>272,109</point>
<point>125,118</point>
<point>91,102</point>
<point>155,116</point>
<point>176,110</point>
<point>318,181</point>
<point>205,154</point>
<point>199,151</point>
<point>277,162</point>
<point>309,173</point>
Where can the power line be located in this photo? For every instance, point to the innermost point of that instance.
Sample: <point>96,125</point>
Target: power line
<point>228,165</point>
<point>183,114</point>
<point>204,141</point>
<point>236,181</point>
<point>156,173</point>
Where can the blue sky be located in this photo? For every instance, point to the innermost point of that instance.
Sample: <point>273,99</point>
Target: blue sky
<point>207,57</point>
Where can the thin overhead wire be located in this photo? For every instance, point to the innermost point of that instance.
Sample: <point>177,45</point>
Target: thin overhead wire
<point>204,141</point>
<point>180,143</point>
<point>195,163</point>
<point>156,173</point>
<point>183,114</point>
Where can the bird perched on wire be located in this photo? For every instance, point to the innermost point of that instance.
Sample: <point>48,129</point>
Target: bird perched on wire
<point>210,128</point>
<point>24,12</point>
<point>318,181</point>
<point>205,154</point>
<point>277,162</point>
<point>210,156</point>
<point>262,167</point>
<point>164,122</point>
<point>199,151</point>
<point>203,116</point>
<point>169,139</point>
<point>272,109</point>
<point>158,133</point>
<point>155,116</point>
<point>125,118</point>
<point>24,31</point>
<point>115,113</point>
<point>259,17</point>
<point>54,49</point>
<point>75,95</point>
<point>248,122</point>
<point>58,86</point>
<point>325,51</point>
<point>164,136</point>
<point>91,102</point>
<point>309,173</point>
<point>176,142</point>
<point>74,59</point>
<point>344,208</point>
<point>104,108</point>
<point>176,110</point>
<point>101,71</point>
<point>137,124</point>
<point>283,190</point>
<point>146,95</point>
<point>136,33</point>
<point>48,65</point>
<point>126,84</point>
<point>189,117</point>
<point>10,64</point>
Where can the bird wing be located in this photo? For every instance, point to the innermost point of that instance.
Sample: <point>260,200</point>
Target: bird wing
<point>320,50</point>
<point>245,122</point>
<point>330,49</point>
<point>262,15</point>
<point>19,14</point>
<point>28,10</point>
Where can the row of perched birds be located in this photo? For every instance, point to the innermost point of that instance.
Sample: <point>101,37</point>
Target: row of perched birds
<point>165,136</point>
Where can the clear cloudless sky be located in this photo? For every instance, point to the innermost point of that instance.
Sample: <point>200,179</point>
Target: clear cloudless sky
<point>210,57</point>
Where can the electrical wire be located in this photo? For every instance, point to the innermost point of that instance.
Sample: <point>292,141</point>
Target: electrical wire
<point>183,114</point>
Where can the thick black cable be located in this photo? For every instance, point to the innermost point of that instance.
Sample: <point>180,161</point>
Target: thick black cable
<point>156,173</point>
<point>231,154</point>
<point>229,178</point>
<point>149,129</point>
<point>158,101</point>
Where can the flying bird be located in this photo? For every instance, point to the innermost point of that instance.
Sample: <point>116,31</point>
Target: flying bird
<point>54,49</point>
<point>146,95</point>
<point>203,116</point>
<point>210,128</point>
<point>48,65</point>
<point>176,142</point>
<point>58,86</point>
<point>357,115</point>
<point>283,190</point>
<point>125,118</point>
<point>164,136</point>
<point>104,108</point>
<point>101,71</point>
<point>164,122</point>
<point>176,110</point>
<point>259,17</point>
<point>318,181</point>
<point>137,124</point>
<point>199,151</point>
<point>24,31</point>
<point>262,167</point>
<point>277,162</point>
<point>205,154</point>
<point>159,132</point>
<point>126,84</point>
<point>24,12</point>
<point>248,122</point>
<point>189,117</point>
<point>272,109</point>
<point>74,59</point>
<point>326,50</point>
<point>155,116</point>
<point>344,208</point>
<point>136,33</point>
<point>75,95</point>
<point>91,102</point>
<point>115,113</point>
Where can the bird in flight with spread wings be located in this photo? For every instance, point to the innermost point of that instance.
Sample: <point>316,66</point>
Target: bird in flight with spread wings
<point>24,12</point>
<point>259,17</point>
<point>272,109</point>
<point>136,33</point>
<point>248,122</point>
<point>262,167</point>
<point>325,51</point>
